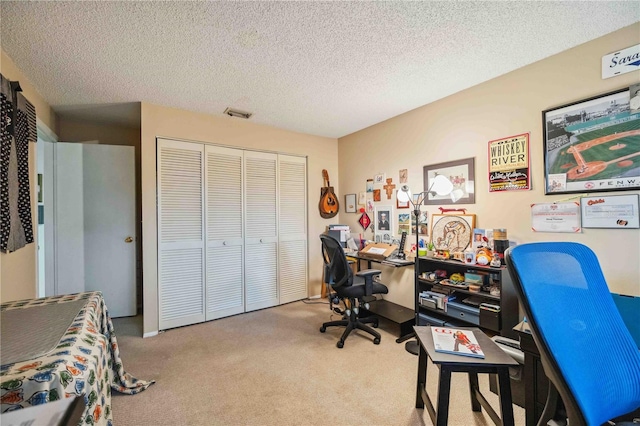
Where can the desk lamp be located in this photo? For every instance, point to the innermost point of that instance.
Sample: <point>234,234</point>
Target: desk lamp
<point>440,186</point>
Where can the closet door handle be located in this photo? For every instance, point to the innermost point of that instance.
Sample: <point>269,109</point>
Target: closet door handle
<point>261,240</point>
<point>224,243</point>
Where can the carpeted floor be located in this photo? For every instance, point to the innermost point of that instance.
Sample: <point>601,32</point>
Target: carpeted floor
<point>273,367</point>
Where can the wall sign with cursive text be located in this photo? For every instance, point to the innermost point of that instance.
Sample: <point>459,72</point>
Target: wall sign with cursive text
<point>509,164</point>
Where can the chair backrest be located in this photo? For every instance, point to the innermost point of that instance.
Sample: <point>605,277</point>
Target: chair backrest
<point>585,348</point>
<point>337,271</point>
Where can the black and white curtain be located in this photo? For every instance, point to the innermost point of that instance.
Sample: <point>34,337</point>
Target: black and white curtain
<point>18,128</point>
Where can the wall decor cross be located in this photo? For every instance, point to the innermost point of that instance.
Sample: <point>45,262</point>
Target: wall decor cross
<point>389,187</point>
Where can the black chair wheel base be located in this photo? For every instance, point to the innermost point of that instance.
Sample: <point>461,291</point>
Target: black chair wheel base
<point>375,325</point>
<point>376,341</point>
<point>340,344</point>
<point>323,329</point>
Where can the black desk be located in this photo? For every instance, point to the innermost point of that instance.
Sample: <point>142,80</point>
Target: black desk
<point>369,259</point>
<point>496,361</point>
<point>398,314</point>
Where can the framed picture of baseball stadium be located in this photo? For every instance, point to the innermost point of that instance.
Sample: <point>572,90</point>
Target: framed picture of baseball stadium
<point>592,145</point>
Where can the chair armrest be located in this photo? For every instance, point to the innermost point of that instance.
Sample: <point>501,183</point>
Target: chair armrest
<point>368,275</point>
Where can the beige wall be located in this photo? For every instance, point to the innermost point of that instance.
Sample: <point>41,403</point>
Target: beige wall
<point>18,269</point>
<point>461,125</point>
<point>157,121</point>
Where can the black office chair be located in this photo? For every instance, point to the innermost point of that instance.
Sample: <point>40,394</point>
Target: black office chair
<point>354,291</point>
<point>588,354</point>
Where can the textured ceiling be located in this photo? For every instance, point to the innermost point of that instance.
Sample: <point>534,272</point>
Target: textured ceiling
<point>323,68</point>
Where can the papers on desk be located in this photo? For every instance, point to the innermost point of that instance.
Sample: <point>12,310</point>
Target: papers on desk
<point>397,262</point>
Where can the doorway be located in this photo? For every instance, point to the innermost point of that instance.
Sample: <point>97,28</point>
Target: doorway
<point>88,222</point>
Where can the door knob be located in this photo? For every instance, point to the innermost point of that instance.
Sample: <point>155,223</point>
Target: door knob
<point>128,240</point>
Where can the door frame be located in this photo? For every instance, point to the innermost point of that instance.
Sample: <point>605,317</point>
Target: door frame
<point>45,134</point>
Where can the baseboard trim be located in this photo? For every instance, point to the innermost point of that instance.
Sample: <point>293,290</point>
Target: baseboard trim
<point>151,334</point>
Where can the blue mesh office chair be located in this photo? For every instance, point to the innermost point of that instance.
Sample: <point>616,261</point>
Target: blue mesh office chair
<point>587,353</point>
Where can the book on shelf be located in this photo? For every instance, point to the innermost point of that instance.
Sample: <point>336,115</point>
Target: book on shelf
<point>456,341</point>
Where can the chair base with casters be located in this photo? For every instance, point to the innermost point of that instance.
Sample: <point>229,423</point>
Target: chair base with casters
<point>354,298</point>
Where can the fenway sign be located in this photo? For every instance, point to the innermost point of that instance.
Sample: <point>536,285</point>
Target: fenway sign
<point>621,62</point>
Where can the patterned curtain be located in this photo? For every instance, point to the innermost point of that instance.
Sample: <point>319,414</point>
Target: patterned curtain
<point>18,128</point>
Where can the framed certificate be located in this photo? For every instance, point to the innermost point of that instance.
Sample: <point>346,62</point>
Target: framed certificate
<point>619,211</point>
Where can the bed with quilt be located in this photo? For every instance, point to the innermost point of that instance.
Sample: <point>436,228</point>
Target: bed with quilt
<point>62,347</point>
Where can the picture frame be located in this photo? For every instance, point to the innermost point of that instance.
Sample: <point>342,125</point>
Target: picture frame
<point>423,222</point>
<point>613,211</point>
<point>591,145</point>
<point>461,173</point>
<point>350,203</point>
<point>400,204</point>
<point>404,223</point>
<point>379,178</point>
<point>453,232</point>
<point>383,222</point>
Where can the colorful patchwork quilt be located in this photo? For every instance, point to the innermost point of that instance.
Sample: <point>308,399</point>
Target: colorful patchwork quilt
<point>85,362</point>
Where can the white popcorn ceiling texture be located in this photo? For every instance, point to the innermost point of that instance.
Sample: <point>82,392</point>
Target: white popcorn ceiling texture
<point>322,68</point>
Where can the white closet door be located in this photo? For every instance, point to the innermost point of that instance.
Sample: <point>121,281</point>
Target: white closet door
<point>180,233</point>
<point>261,230</point>
<point>292,255</point>
<point>223,203</point>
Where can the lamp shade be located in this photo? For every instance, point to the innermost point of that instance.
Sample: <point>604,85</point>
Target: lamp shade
<point>441,185</point>
<point>404,195</point>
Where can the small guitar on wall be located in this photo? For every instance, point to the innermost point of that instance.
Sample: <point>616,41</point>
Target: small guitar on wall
<point>328,204</point>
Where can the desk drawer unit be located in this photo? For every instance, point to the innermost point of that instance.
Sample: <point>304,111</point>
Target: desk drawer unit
<point>463,312</point>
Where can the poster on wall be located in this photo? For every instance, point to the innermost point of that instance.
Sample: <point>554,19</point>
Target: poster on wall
<point>509,164</point>
<point>593,145</point>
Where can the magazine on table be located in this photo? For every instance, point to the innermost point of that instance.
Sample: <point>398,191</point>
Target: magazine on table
<point>456,341</point>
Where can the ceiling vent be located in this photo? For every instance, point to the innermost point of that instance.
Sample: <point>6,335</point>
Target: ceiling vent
<point>235,113</point>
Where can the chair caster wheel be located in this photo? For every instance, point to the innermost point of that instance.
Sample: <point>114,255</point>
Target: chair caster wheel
<point>323,329</point>
<point>375,325</point>
<point>340,344</point>
<point>376,341</point>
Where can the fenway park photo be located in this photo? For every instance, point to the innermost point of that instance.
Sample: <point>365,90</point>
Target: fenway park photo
<point>593,145</point>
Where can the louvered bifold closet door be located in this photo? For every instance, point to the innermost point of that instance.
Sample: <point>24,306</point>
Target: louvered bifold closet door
<point>223,203</point>
<point>180,233</point>
<point>261,230</point>
<point>292,245</point>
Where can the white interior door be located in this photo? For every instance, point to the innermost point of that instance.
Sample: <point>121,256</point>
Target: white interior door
<point>110,225</point>
<point>292,220</point>
<point>225,239</point>
<point>69,219</point>
<point>261,230</point>
<point>181,248</point>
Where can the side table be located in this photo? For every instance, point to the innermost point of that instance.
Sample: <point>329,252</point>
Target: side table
<point>494,362</point>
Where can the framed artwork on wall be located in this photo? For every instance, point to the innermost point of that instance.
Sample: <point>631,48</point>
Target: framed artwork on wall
<point>592,145</point>
<point>383,224</point>
<point>453,232</point>
<point>350,203</point>
<point>458,187</point>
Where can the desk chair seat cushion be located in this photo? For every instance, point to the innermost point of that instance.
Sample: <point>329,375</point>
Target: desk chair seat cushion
<point>357,290</point>
<point>577,327</point>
